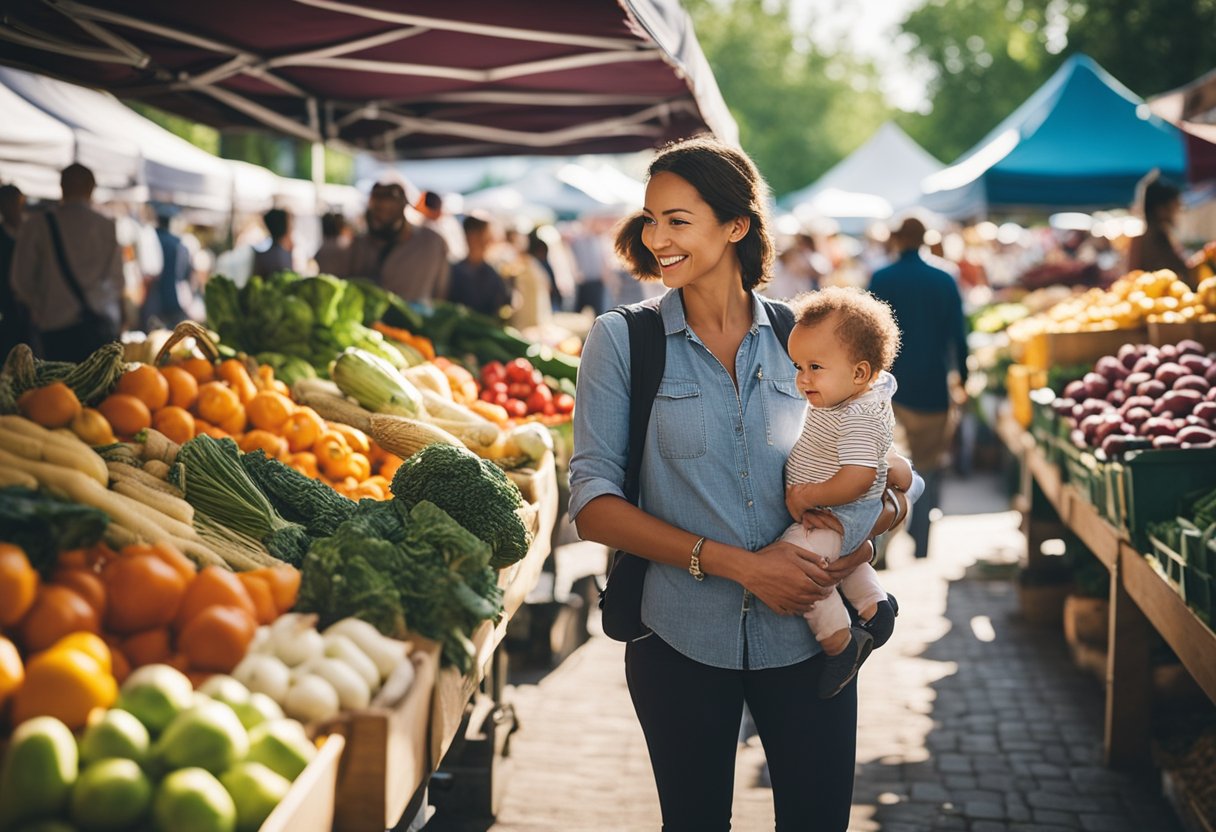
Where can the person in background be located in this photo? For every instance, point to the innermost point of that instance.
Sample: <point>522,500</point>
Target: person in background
<point>474,282</point>
<point>67,268</point>
<point>334,253</point>
<point>276,258</point>
<point>169,293</point>
<point>592,262</point>
<point>929,310</point>
<point>411,261</point>
<point>1158,203</point>
<point>533,284</point>
<point>14,317</point>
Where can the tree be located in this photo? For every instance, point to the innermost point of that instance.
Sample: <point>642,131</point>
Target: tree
<point>799,111</point>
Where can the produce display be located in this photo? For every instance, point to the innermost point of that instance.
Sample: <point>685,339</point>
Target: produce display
<point>1144,397</point>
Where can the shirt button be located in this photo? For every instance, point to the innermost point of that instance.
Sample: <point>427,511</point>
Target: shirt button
<point>743,474</point>
<point>750,503</point>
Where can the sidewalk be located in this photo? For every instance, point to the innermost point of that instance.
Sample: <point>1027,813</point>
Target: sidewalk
<point>969,719</point>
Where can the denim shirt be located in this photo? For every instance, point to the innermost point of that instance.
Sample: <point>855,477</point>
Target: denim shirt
<point>712,465</point>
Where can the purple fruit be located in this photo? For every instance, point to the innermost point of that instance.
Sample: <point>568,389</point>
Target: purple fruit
<point>1168,373</point>
<point>1189,347</point>
<point>1192,383</point>
<point>1211,394</point>
<point>1181,402</point>
<point>1165,441</point>
<point>1196,364</point>
<point>1153,389</point>
<point>1209,375</point>
<point>1136,401</point>
<point>1205,411</point>
<point>1128,355</point>
<point>1194,434</point>
<point>1157,426</point>
<point>1076,438</point>
<point>1111,368</point>
<point>1063,406</point>
<point>1135,380</point>
<point>1116,397</point>
<point>1111,424</point>
<point>1147,364</point>
<point>1137,416</point>
<point>1074,390</point>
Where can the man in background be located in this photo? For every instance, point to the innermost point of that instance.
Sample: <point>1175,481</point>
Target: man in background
<point>276,258</point>
<point>67,268</point>
<point>929,310</point>
<point>168,294</point>
<point>334,254</point>
<point>474,282</point>
<point>14,317</point>
<point>408,260</point>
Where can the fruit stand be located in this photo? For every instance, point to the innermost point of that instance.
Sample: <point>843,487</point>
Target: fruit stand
<point>273,600</point>
<point>1119,454</point>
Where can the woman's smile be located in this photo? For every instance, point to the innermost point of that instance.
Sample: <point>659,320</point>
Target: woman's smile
<point>672,261</point>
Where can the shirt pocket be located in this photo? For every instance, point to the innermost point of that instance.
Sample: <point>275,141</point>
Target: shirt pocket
<point>680,417</point>
<point>784,409</point>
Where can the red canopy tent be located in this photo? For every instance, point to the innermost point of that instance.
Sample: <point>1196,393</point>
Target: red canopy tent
<point>407,79</point>
<point>1193,108</point>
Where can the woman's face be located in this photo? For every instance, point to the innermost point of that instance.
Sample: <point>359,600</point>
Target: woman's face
<point>680,229</point>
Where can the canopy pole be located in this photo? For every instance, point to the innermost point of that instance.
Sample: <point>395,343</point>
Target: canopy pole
<point>318,175</point>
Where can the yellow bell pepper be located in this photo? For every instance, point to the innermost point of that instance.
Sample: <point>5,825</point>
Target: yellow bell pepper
<point>67,682</point>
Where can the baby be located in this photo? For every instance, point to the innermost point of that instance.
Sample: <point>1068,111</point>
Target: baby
<point>842,346</point>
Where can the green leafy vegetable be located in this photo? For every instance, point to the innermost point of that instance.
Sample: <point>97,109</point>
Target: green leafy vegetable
<point>44,526</point>
<point>298,498</point>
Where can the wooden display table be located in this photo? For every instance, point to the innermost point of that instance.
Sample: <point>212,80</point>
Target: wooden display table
<point>1140,601</point>
<point>397,744</point>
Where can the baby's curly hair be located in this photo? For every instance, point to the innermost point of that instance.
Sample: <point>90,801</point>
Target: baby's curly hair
<point>864,323</point>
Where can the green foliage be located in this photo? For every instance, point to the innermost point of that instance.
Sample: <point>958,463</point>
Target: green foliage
<point>298,498</point>
<point>799,111</point>
<point>44,525</point>
<point>199,135</point>
<point>473,491</point>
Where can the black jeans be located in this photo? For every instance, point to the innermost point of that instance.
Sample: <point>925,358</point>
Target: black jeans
<point>690,713</point>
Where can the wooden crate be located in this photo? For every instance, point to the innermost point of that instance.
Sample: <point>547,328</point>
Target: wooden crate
<point>1202,331</point>
<point>386,758</point>
<point>1062,349</point>
<point>309,806</point>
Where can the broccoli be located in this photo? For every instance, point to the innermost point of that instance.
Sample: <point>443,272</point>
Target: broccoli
<point>475,492</point>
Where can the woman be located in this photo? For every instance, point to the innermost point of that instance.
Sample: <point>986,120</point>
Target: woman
<point>1159,204</point>
<point>724,420</point>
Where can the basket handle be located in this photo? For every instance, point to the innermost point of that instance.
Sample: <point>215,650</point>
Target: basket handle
<point>189,329</point>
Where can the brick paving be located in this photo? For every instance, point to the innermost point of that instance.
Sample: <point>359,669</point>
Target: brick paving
<point>969,720</point>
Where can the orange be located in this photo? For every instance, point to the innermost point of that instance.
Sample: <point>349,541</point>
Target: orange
<point>174,422</point>
<point>305,462</point>
<point>213,587</point>
<point>12,672</point>
<point>18,584</point>
<point>86,583</point>
<point>90,644</point>
<point>206,428</point>
<point>236,421</point>
<point>148,647</point>
<point>144,591</point>
<point>66,684</point>
<point>263,598</point>
<point>121,666</point>
<point>146,384</point>
<point>183,387</point>
<point>216,402</point>
<point>52,406</point>
<point>127,414</point>
<point>202,369</point>
<point>233,371</point>
<point>57,611</point>
<point>390,465</point>
<point>217,638</point>
<point>284,583</point>
<point>168,553</point>
<point>268,410</point>
<point>263,440</point>
<point>302,429</point>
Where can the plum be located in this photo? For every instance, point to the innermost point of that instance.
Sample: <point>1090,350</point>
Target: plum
<point>1074,390</point>
<point>1211,394</point>
<point>1111,368</point>
<point>1063,406</point>
<point>1209,375</point>
<point>1169,372</point>
<point>1116,397</point>
<point>1196,364</point>
<point>1189,347</point>
<point>1147,364</point>
<point>1157,426</point>
<point>1137,416</point>
<point>1153,389</point>
<point>1205,411</point>
<point>1136,379</point>
<point>1192,383</point>
<point>1166,441</point>
<point>1128,355</point>
<point>1135,401</point>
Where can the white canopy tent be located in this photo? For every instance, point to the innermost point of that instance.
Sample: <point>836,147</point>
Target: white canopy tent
<point>33,146</point>
<point>878,179</point>
<point>119,144</point>
<point>567,189</point>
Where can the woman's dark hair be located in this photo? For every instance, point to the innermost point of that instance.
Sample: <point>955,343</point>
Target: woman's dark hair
<point>730,184</point>
<point>1158,193</point>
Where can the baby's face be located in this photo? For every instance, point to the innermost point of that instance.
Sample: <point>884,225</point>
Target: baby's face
<point>827,375</point>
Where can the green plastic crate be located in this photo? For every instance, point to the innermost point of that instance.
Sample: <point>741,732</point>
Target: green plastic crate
<point>1088,474</point>
<point>1197,591</point>
<point>1043,416</point>
<point>1155,483</point>
<point>1171,563</point>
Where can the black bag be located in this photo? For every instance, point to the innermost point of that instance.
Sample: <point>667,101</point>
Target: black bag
<point>75,342</point>
<point>621,597</point>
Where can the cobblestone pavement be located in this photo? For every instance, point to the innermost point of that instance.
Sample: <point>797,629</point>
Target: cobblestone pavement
<point>970,720</point>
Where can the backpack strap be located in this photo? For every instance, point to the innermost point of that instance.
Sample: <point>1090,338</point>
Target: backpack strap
<point>647,360</point>
<point>781,317</point>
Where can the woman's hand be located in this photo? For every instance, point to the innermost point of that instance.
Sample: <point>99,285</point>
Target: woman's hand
<point>788,579</point>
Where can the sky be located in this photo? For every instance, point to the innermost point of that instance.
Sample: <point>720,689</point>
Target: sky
<point>870,28</point>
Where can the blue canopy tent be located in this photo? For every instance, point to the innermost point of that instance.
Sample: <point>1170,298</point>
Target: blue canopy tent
<point>1080,143</point>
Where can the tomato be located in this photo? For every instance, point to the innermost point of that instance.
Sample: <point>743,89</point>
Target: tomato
<point>536,402</point>
<point>514,407</point>
<point>563,403</point>
<point>519,370</point>
<point>519,390</point>
<point>538,378</point>
<point>550,409</point>
<point>499,388</point>
<point>491,372</point>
